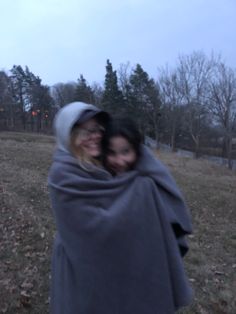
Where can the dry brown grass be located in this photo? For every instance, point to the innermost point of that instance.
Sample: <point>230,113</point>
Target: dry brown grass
<point>26,227</point>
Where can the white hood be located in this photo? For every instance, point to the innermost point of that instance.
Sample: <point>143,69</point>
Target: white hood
<point>64,120</point>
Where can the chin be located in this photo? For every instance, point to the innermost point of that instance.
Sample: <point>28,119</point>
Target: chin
<point>94,154</point>
<point>117,171</point>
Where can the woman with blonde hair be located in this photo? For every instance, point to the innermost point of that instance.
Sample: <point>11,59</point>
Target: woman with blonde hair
<point>120,239</point>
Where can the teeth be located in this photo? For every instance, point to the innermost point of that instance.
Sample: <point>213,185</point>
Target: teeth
<point>93,146</point>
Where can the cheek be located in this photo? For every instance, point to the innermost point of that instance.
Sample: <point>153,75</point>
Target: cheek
<point>131,159</point>
<point>111,160</point>
<point>99,135</point>
<point>76,141</point>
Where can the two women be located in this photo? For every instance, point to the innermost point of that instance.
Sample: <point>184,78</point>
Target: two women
<point>120,232</point>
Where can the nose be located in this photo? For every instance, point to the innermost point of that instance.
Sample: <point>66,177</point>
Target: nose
<point>96,135</point>
<point>120,161</point>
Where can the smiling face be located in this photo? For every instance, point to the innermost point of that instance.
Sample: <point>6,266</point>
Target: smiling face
<point>86,138</point>
<point>121,155</point>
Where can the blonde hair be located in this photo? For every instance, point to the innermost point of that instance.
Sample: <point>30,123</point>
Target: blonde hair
<point>86,162</point>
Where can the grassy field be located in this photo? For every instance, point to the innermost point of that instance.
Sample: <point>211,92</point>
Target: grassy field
<point>26,227</point>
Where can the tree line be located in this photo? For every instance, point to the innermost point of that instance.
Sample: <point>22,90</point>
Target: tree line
<point>191,106</point>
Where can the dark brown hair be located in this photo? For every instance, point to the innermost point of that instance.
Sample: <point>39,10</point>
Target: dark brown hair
<point>125,127</point>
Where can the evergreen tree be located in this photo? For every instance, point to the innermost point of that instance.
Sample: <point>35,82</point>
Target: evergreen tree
<point>6,102</point>
<point>83,91</point>
<point>144,101</point>
<point>112,99</point>
<point>19,92</point>
<point>31,97</point>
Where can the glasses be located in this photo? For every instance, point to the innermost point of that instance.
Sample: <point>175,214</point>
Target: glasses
<point>86,133</point>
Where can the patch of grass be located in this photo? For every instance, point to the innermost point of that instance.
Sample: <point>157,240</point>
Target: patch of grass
<point>27,228</point>
<point>26,137</point>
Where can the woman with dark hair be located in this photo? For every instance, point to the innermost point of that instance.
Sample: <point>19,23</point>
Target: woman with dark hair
<point>121,145</point>
<point>120,238</point>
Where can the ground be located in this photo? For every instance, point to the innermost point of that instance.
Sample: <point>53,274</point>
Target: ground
<point>27,228</point>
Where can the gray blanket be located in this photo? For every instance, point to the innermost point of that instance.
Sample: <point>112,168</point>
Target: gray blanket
<point>119,242</point>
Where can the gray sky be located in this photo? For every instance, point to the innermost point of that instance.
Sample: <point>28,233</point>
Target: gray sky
<point>61,39</point>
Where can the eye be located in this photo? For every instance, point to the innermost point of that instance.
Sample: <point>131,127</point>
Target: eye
<point>96,129</point>
<point>126,151</point>
<point>83,133</point>
<point>111,152</point>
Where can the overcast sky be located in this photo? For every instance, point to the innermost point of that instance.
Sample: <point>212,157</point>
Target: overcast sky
<point>60,39</point>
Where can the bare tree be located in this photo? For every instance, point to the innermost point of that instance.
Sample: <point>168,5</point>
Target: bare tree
<point>63,94</point>
<point>223,103</point>
<point>123,73</point>
<point>172,106</point>
<point>98,93</point>
<point>194,74</point>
